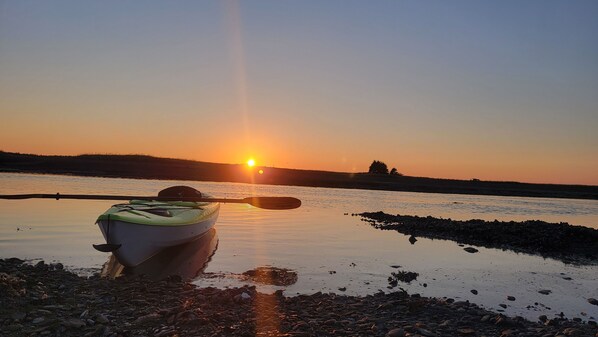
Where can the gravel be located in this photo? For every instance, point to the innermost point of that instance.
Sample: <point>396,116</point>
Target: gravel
<point>46,300</point>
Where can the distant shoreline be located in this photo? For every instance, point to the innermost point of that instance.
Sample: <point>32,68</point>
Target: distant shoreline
<point>147,167</point>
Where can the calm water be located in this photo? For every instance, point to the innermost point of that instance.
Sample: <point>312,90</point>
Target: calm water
<point>328,248</point>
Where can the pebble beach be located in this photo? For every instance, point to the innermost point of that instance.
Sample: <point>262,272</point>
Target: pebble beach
<point>46,300</point>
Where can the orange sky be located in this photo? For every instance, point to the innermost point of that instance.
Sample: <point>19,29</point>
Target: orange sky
<point>452,91</point>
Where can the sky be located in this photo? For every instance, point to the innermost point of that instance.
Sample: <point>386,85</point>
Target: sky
<point>493,90</point>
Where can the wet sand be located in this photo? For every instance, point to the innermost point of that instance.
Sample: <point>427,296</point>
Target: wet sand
<point>46,300</point>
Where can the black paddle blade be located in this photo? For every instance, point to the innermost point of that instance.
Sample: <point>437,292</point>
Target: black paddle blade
<point>107,247</point>
<point>273,202</point>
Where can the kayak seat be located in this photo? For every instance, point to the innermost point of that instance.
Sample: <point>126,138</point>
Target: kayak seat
<point>179,191</point>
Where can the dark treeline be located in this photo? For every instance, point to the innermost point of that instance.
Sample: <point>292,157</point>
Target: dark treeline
<point>147,167</point>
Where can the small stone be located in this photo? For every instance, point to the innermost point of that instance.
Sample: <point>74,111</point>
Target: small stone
<point>511,298</point>
<point>544,291</point>
<point>470,250</point>
<point>147,318</point>
<point>412,239</point>
<point>502,305</point>
<point>398,332</point>
<point>342,288</point>
<point>101,318</point>
<point>74,323</point>
<point>593,301</point>
<point>473,291</point>
<point>445,323</point>
<point>466,331</point>
<point>243,297</point>
<point>426,333</point>
<point>301,326</point>
<point>572,332</point>
<point>98,331</point>
<point>168,331</point>
<point>503,321</point>
<point>543,318</point>
<point>38,320</point>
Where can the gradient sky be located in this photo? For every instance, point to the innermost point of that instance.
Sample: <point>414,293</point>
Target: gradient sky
<point>495,90</point>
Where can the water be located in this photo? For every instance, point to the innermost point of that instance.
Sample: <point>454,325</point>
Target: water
<point>321,241</point>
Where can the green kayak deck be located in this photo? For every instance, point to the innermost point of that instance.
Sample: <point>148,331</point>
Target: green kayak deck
<point>160,213</point>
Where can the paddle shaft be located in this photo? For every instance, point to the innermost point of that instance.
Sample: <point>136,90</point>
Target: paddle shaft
<point>261,202</point>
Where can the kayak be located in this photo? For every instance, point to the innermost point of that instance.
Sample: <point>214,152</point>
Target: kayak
<point>187,260</point>
<point>140,229</point>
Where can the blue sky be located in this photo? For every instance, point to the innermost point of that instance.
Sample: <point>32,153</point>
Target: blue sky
<point>501,90</point>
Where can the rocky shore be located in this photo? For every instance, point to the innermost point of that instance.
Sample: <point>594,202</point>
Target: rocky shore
<point>46,300</point>
<point>561,241</point>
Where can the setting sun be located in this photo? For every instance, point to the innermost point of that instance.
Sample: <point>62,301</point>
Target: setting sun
<point>251,162</point>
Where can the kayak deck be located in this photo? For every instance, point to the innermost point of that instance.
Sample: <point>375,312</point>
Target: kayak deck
<point>159,213</point>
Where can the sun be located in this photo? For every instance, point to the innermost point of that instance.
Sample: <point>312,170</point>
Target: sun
<point>251,162</point>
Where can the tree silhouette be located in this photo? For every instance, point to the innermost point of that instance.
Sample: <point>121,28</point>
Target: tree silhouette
<point>394,171</point>
<point>378,167</point>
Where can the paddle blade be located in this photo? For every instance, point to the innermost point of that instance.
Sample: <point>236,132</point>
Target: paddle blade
<point>273,202</point>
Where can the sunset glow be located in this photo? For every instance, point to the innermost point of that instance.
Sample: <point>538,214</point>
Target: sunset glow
<point>433,89</point>
<point>251,162</point>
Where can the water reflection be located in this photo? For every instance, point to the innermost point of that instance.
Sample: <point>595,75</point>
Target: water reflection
<point>319,238</point>
<point>187,260</point>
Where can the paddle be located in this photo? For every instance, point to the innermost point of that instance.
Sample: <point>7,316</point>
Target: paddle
<point>260,202</point>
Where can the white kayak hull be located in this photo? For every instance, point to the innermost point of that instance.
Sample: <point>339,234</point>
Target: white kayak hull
<point>139,242</point>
